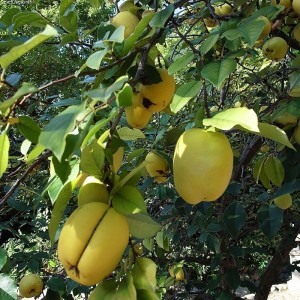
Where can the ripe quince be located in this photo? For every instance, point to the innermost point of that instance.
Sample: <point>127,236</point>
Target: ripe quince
<point>127,19</point>
<point>157,96</point>
<point>275,48</point>
<point>157,167</point>
<point>31,285</point>
<point>202,165</point>
<point>92,242</point>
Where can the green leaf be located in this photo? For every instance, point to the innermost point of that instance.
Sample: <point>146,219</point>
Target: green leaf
<point>8,288</point>
<point>115,290</point>
<point>270,220</point>
<point>53,135</point>
<point>28,17</point>
<point>34,153</point>
<point>142,226</point>
<point>103,94</point>
<point>18,51</point>
<point>69,21</point>
<point>274,133</point>
<point>162,16</point>
<point>217,72</point>
<point>287,188</point>
<point>185,93</point>
<point>92,159</point>
<point>241,116</point>
<point>26,88</point>
<point>231,34</point>
<point>129,200</point>
<point>128,134</point>
<point>56,284</point>
<point>162,240</point>
<point>3,258</point>
<point>4,151</point>
<point>209,42</point>
<point>232,278</point>
<point>147,294</point>
<point>29,128</point>
<point>64,4</point>
<point>144,274</point>
<point>294,82</point>
<point>251,30</point>
<point>124,97</point>
<point>181,63</point>
<point>58,210</point>
<point>274,170</point>
<point>234,218</point>
<point>94,60</point>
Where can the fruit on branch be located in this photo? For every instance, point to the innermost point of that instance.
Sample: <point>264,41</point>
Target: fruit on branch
<point>296,6</point>
<point>92,190</point>
<point>157,96</point>
<point>296,32</point>
<point>129,5</point>
<point>202,165</point>
<point>137,116</point>
<point>285,201</point>
<point>92,242</point>
<point>286,3</point>
<point>223,9</point>
<point>31,285</point>
<point>286,119</point>
<point>177,273</point>
<point>118,158</point>
<point>296,135</point>
<point>157,167</point>
<point>126,19</point>
<point>267,28</point>
<point>275,48</point>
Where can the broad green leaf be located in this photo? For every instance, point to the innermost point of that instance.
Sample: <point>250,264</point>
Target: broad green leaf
<point>58,210</point>
<point>3,258</point>
<point>4,151</point>
<point>54,134</point>
<point>273,133</point>
<point>95,4</point>
<point>144,274</point>
<point>128,134</point>
<point>274,170</point>
<point>28,17</point>
<point>142,226</point>
<point>181,63</point>
<point>134,37</point>
<point>115,290</point>
<point>270,220</point>
<point>34,153</point>
<point>92,159</point>
<point>94,60</point>
<point>251,30</point>
<point>232,278</point>
<point>162,240</point>
<point>26,88</point>
<point>290,187</point>
<point>64,4</point>
<point>147,294</point>
<point>69,21</point>
<point>18,51</point>
<point>124,97</point>
<point>8,15</point>
<point>129,200</point>
<point>56,284</point>
<point>209,42</point>
<point>103,94</point>
<point>294,83</point>
<point>8,288</point>
<point>161,17</point>
<point>184,94</point>
<point>29,128</point>
<point>231,34</point>
<point>260,174</point>
<point>241,116</point>
<point>217,72</point>
<point>234,218</point>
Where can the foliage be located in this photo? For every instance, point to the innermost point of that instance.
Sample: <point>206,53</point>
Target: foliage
<point>67,76</point>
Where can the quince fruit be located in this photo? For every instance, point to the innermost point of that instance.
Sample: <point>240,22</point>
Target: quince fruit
<point>157,96</point>
<point>286,3</point>
<point>157,167</point>
<point>127,19</point>
<point>129,5</point>
<point>177,273</point>
<point>210,22</point>
<point>267,28</point>
<point>296,135</point>
<point>287,119</point>
<point>275,48</point>
<point>296,32</point>
<point>31,285</point>
<point>284,201</point>
<point>137,116</point>
<point>92,242</point>
<point>92,190</point>
<point>296,6</point>
<point>202,165</point>
<point>223,9</point>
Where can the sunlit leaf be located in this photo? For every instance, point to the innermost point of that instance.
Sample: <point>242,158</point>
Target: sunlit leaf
<point>274,170</point>
<point>181,63</point>
<point>4,149</point>
<point>8,288</point>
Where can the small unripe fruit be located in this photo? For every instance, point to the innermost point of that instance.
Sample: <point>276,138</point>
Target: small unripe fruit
<point>223,9</point>
<point>31,285</point>
<point>284,201</point>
